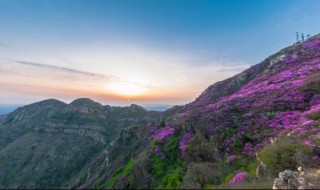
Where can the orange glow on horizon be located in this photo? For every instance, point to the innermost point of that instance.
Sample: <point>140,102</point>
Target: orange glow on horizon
<point>128,90</point>
<point>41,81</point>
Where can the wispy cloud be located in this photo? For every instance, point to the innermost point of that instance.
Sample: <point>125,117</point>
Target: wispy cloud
<point>75,71</point>
<point>38,78</point>
<point>64,69</point>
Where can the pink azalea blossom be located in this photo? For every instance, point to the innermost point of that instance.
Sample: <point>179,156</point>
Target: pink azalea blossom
<point>239,177</point>
<point>231,158</point>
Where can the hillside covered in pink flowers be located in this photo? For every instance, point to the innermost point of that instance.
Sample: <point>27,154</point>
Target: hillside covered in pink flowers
<point>243,130</point>
<point>278,101</point>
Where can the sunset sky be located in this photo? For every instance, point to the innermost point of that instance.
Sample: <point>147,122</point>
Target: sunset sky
<point>137,51</point>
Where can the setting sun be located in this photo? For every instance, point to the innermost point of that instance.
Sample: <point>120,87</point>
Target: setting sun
<point>127,89</point>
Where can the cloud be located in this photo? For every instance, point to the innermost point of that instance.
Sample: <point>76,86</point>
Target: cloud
<point>64,69</point>
<point>38,78</point>
<point>111,78</point>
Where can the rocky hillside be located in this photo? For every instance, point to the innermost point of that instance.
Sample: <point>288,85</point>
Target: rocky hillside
<point>53,141</point>
<point>240,132</point>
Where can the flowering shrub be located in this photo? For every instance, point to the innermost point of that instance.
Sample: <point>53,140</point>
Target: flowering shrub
<point>231,158</point>
<point>163,132</point>
<point>184,140</point>
<point>308,143</point>
<point>239,177</point>
<point>314,112</point>
<point>122,179</point>
<point>248,148</point>
<point>315,100</point>
<point>156,149</point>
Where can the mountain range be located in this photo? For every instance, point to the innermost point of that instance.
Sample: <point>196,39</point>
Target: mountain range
<point>241,131</point>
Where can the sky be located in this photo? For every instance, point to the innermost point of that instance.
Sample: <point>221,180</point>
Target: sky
<point>119,52</point>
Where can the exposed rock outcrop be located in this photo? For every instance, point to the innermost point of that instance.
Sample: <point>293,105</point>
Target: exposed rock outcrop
<point>300,179</point>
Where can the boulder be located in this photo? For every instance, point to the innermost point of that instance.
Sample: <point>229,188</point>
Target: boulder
<point>287,174</point>
<point>279,184</point>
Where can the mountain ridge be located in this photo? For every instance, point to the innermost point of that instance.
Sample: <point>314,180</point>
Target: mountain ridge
<point>47,129</point>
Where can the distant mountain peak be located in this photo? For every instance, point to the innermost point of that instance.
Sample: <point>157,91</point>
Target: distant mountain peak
<point>49,102</point>
<point>137,107</point>
<point>83,101</point>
